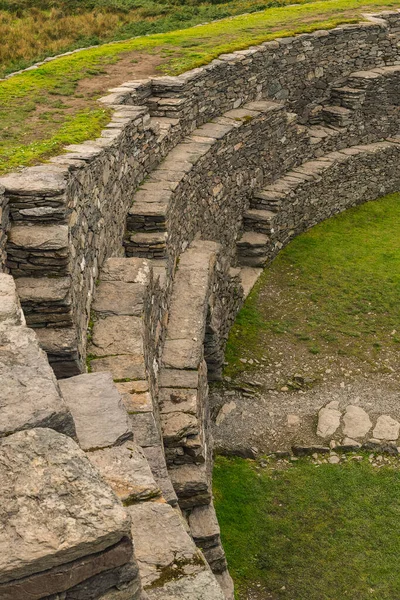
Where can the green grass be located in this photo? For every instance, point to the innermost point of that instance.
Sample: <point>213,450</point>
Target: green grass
<point>339,289</point>
<point>23,96</point>
<point>310,533</point>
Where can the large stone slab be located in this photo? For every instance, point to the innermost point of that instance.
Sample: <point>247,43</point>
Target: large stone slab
<point>356,422</point>
<point>121,367</point>
<point>191,484</point>
<point>386,428</point>
<point>119,298</point>
<point>96,406</point>
<point>204,526</point>
<point>127,471</point>
<point>117,335</point>
<point>93,570</point>
<point>161,541</point>
<point>50,237</point>
<point>129,270</point>
<point>156,459</point>
<point>328,421</point>
<point>29,394</point>
<point>201,586</point>
<point>10,308</point>
<point>54,506</point>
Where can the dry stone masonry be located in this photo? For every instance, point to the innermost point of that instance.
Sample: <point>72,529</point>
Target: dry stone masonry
<point>123,263</point>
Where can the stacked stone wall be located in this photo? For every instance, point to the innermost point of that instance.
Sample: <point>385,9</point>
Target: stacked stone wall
<point>4,225</point>
<point>77,205</point>
<point>195,178</point>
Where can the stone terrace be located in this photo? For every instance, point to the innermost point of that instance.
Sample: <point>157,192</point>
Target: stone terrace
<point>130,256</point>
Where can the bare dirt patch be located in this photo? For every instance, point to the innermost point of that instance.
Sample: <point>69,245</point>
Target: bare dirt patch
<point>131,66</point>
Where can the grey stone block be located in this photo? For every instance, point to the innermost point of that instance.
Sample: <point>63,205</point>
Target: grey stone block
<point>29,392</point>
<point>97,409</point>
<point>54,507</point>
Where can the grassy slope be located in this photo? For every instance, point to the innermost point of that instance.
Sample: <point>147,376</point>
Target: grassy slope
<point>37,105</point>
<point>339,287</point>
<point>34,29</point>
<point>321,533</point>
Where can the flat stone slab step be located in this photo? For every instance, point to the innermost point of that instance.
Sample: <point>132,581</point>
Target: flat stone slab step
<point>148,245</point>
<point>126,470</point>
<point>122,287</point>
<point>251,239</point>
<point>61,347</point>
<point>29,394</point>
<point>337,115</point>
<point>191,484</point>
<point>249,276</point>
<point>204,526</point>
<point>38,250</point>
<point>96,406</point>
<point>348,97</point>
<point>117,335</point>
<point>149,216</point>
<point>10,308</point>
<point>259,220</point>
<point>161,541</point>
<point>46,481</point>
<point>46,301</point>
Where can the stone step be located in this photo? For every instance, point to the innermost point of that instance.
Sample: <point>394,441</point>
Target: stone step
<point>249,276</point>
<point>266,200</point>
<point>146,245</point>
<point>147,216</point>
<point>170,565</point>
<point>63,504</point>
<point>192,484</point>
<point>97,409</point>
<point>259,220</point>
<point>46,301</point>
<point>362,79</point>
<point>29,394</point>
<point>348,97</point>
<point>122,287</point>
<point>127,472</point>
<point>320,134</point>
<point>38,251</point>
<point>252,249</point>
<point>61,347</point>
<point>337,116</point>
<point>175,108</point>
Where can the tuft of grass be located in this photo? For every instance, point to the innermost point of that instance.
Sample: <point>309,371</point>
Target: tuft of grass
<point>338,287</point>
<point>23,96</point>
<point>304,532</point>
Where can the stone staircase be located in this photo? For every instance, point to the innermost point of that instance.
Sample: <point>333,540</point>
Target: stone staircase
<point>167,557</point>
<point>116,422</point>
<point>184,410</point>
<point>312,192</point>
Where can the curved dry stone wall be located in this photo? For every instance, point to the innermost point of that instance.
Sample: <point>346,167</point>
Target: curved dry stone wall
<point>123,263</point>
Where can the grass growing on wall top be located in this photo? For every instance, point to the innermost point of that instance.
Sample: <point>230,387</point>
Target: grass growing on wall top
<point>303,532</point>
<point>37,105</point>
<point>338,287</point>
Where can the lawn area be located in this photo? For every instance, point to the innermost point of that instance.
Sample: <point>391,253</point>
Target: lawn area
<point>332,291</point>
<point>44,109</point>
<point>305,532</point>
